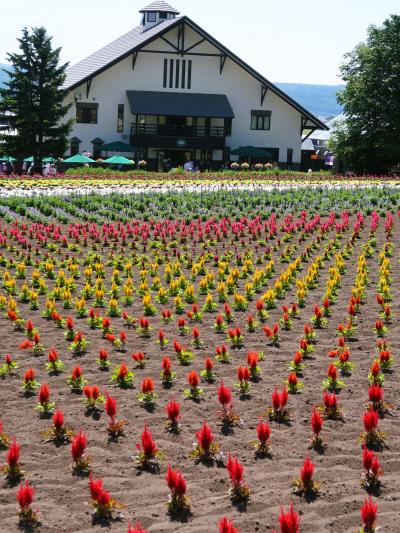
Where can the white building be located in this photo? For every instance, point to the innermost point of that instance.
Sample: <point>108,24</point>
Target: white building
<point>173,93</point>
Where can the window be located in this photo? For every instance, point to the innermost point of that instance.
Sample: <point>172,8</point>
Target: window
<point>162,16</point>
<point>177,74</point>
<point>86,113</point>
<point>75,146</point>
<point>151,17</point>
<point>120,119</point>
<point>260,120</point>
<point>228,127</point>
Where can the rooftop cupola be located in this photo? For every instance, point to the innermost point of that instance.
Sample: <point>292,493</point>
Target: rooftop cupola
<point>157,12</point>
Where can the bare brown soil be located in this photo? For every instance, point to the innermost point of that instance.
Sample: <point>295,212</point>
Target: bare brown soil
<point>63,499</point>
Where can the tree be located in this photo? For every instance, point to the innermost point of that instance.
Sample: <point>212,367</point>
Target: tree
<point>368,138</point>
<point>33,98</point>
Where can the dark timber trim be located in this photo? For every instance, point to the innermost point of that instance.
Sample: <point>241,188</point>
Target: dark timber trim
<point>222,60</point>
<point>88,86</point>
<point>194,45</point>
<point>264,91</point>
<point>134,58</point>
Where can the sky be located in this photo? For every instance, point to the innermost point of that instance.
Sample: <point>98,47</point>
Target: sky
<point>299,41</point>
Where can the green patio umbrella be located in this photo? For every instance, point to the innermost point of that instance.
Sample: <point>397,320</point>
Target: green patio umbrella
<point>28,159</point>
<point>118,160</point>
<point>48,159</point>
<point>78,158</point>
<point>5,158</point>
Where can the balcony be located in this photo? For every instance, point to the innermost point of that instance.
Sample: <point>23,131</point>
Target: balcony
<point>176,136</point>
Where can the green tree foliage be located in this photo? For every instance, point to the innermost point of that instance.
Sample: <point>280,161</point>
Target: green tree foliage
<point>33,97</point>
<point>368,138</point>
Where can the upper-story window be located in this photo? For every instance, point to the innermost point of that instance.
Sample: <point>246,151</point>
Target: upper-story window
<point>151,16</point>
<point>86,113</point>
<point>177,74</point>
<point>163,16</point>
<point>260,120</point>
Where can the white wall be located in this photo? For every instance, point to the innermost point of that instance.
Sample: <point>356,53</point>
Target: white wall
<point>242,90</point>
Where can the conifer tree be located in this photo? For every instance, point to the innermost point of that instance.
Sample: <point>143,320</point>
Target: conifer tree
<point>33,99</point>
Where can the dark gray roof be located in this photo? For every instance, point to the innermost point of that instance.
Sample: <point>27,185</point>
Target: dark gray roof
<point>160,6</point>
<point>112,52</point>
<point>182,104</point>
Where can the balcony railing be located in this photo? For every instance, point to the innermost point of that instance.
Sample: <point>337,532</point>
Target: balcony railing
<point>177,131</point>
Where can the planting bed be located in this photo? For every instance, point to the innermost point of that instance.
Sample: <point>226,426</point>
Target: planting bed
<point>334,257</point>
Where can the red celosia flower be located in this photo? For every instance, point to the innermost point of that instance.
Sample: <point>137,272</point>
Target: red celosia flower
<point>29,326</point>
<point>26,345</point>
<point>25,496</point>
<point>368,515</point>
<point>375,369</point>
<point>292,380</point>
<point>224,394</point>
<point>226,526</point>
<point>176,482</point>
<point>279,400</point>
<point>332,372</point>
<point>289,522</point>
<point>29,375</point>
<point>106,323</point>
<point>205,438</point>
<point>193,379</point>
<point>307,472</point>
<point>370,420</point>
<point>375,394</point>
<point>147,385</point>
<point>76,373</point>
<point>78,446</point>
<point>243,373</point>
<point>44,394</point>
<point>58,419</point>
<point>123,371</point>
<point>330,401</point>
<point>235,470</point>
<point>52,355</point>
<point>196,333</point>
<point>70,323</point>
<point>316,422</point>
<point>95,487</point>
<point>263,432</point>
<point>177,346</point>
<point>111,406</point>
<point>166,365</point>
<point>148,447</point>
<point>13,454</point>
<point>173,411</point>
<point>208,364</point>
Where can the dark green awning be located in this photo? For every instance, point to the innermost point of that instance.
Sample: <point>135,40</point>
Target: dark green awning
<point>117,146</point>
<point>182,104</point>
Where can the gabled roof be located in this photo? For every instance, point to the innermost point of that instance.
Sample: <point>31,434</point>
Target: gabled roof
<point>113,52</point>
<point>159,6</point>
<point>138,38</point>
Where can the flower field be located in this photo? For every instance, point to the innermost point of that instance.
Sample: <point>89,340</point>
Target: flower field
<point>211,360</point>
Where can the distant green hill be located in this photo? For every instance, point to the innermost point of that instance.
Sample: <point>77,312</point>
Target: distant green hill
<point>319,99</point>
